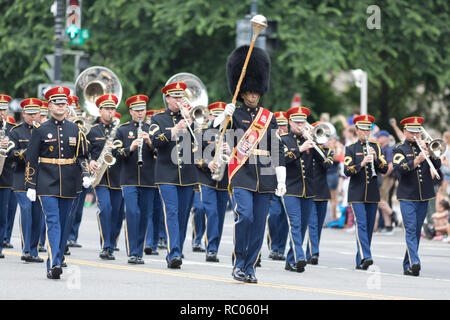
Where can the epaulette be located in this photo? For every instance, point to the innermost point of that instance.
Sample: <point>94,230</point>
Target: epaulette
<point>16,125</point>
<point>398,144</point>
<point>284,134</point>
<point>94,125</point>
<point>373,141</point>
<point>123,124</point>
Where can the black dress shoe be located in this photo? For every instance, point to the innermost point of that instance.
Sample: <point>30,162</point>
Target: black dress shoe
<point>250,278</point>
<point>197,248</point>
<point>116,249</point>
<point>279,256</point>
<point>25,256</point>
<point>290,267</point>
<point>110,256</point>
<point>132,260</point>
<point>238,274</point>
<point>313,260</point>
<point>2,256</point>
<point>414,270</point>
<point>70,243</point>
<point>42,249</point>
<point>212,257</point>
<point>300,265</point>
<point>64,265</point>
<point>365,263</point>
<point>54,273</point>
<point>148,250</point>
<point>272,255</point>
<point>35,259</point>
<point>67,251</point>
<point>7,245</point>
<point>162,244</point>
<point>175,263</point>
<point>104,254</point>
<point>139,260</point>
<point>155,253</point>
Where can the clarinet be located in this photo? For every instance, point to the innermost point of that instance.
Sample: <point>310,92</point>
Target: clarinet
<point>372,165</point>
<point>140,162</point>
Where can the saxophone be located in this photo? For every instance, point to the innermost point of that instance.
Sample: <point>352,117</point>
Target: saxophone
<point>3,152</point>
<point>106,159</point>
<point>221,160</point>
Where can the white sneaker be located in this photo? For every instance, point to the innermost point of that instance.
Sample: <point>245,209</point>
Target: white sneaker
<point>446,240</point>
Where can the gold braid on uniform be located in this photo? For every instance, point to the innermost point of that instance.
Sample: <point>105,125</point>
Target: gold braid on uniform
<point>29,173</point>
<point>20,154</point>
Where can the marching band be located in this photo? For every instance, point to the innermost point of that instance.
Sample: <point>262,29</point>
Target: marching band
<point>270,168</point>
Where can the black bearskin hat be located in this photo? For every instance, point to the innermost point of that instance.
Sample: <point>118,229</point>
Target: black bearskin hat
<point>256,78</point>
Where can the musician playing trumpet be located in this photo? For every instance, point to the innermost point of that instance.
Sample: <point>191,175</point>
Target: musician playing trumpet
<point>362,161</point>
<point>107,190</point>
<point>415,187</point>
<point>175,174</point>
<point>133,146</point>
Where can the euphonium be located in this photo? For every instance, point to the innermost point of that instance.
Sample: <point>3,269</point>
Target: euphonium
<point>106,159</point>
<point>3,152</point>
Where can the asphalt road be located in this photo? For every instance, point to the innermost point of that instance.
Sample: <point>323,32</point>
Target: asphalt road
<point>89,277</point>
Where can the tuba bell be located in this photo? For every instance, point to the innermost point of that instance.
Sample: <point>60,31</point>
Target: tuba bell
<point>93,83</point>
<point>196,96</point>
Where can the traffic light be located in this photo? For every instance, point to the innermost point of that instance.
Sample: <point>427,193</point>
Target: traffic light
<point>73,19</point>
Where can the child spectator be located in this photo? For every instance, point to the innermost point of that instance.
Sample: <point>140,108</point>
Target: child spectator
<point>440,220</point>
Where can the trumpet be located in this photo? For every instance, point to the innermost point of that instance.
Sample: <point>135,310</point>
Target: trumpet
<point>436,146</point>
<point>432,168</point>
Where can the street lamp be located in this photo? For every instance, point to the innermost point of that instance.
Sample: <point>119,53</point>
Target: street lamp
<point>361,82</point>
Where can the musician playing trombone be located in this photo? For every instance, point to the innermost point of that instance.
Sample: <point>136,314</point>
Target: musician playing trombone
<point>133,147</point>
<point>415,187</point>
<point>363,160</point>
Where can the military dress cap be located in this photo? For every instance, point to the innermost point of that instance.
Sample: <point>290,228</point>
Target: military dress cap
<point>413,124</point>
<point>4,101</point>
<point>31,105</point>
<point>44,107</point>
<point>117,115</point>
<point>175,89</point>
<point>216,108</point>
<point>137,102</point>
<point>107,101</point>
<point>282,118</point>
<point>298,114</point>
<point>10,120</point>
<point>257,75</point>
<point>363,122</point>
<point>315,123</point>
<point>58,94</point>
<point>150,113</point>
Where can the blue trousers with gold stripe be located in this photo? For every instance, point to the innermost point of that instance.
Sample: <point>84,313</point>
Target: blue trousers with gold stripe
<point>298,211</point>
<point>177,202</point>
<point>315,224</point>
<point>58,222</point>
<point>30,223</point>
<point>109,203</point>
<point>77,214</point>
<point>139,204</point>
<point>12,208</point>
<point>215,204</point>
<point>413,213</point>
<point>250,213</point>
<point>277,226</point>
<point>198,219</point>
<point>154,224</point>
<point>365,214</point>
<point>4,198</point>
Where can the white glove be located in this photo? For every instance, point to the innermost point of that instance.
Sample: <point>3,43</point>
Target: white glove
<point>281,181</point>
<point>229,110</point>
<point>31,194</point>
<point>86,182</point>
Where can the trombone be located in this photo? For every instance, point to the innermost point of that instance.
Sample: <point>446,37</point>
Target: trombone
<point>319,134</point>
<point>436,146</point>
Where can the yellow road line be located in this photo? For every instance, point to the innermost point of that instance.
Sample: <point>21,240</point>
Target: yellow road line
<point>227,280</point>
